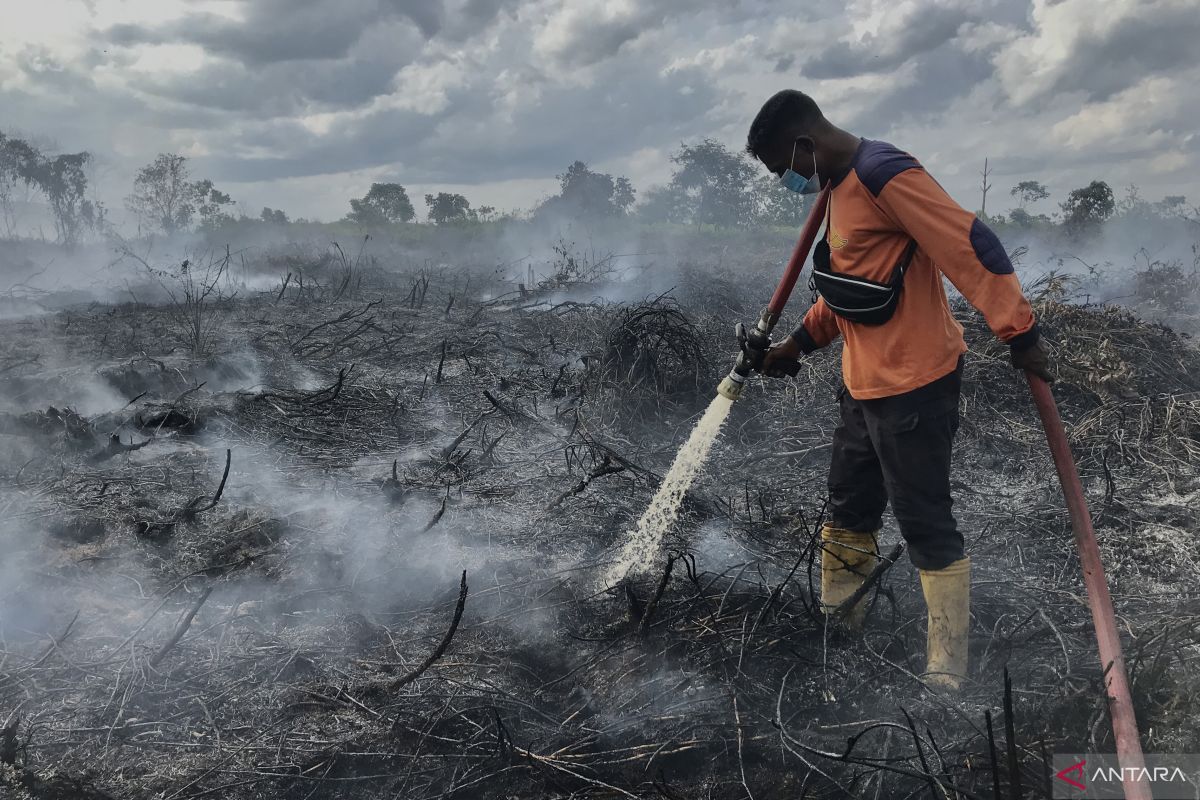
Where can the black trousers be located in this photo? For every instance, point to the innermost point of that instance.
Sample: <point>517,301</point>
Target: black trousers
<point>898,448</point>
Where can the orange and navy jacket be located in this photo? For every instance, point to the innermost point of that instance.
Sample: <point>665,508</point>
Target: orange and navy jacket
<point>885,198</point>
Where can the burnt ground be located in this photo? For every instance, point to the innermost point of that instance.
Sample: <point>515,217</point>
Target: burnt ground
<point>290,622</point>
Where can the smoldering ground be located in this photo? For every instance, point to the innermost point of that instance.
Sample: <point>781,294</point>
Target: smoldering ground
<point>504,405</point>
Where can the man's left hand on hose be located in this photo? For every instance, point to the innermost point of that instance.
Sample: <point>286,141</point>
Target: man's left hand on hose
<point>1035,358</point>
<point>780,354</point>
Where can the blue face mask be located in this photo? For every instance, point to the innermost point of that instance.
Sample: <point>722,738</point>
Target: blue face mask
<point>798,183</point>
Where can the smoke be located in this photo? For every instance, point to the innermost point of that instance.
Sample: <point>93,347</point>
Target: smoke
<point>92,331</point>
<point>1117,261</point>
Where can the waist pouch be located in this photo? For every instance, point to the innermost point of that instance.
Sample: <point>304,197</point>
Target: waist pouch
<point>858,299</point>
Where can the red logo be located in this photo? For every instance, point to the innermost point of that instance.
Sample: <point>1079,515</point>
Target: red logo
<point>1073,769</point>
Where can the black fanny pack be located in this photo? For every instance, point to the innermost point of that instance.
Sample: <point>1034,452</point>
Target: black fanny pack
<point>858,299</point>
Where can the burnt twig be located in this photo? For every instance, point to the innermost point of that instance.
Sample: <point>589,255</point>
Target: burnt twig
<point>606,467</point>
<point>992,758</point>
<point>1016,792</point>
<point>191,509</point>
<point>184,624</point>
<point>55,643</point>
<point>644,625</point>
<point>436,517</point>
<point>441,648</point>
<point>449,449</point>
<point>883,566</point>
<point>441,363</point>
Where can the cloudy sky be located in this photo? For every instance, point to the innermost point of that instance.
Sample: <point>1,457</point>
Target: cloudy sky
<point>301,104</point>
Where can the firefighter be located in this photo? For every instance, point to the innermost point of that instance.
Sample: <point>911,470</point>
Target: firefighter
<point>891,233</point>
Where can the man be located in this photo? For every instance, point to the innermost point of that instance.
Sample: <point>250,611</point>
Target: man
<point>891,234</point>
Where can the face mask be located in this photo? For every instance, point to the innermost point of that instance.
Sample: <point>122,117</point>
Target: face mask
<point>798,183</point>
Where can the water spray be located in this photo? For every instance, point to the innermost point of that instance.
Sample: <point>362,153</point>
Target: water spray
<point>645,541</point>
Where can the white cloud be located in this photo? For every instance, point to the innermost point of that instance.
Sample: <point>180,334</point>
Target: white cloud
<point>1139,111</point>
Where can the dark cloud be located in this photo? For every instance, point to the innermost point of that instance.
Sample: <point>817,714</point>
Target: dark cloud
<point>286,30</point>
<point>475,140</point>
<point>585,33</point>
<point>1152,38</point>
<point>939,78</point>
<point>472,16</point>
<point>427,14</point>
<point>295,87</point>
<point>919,32</point>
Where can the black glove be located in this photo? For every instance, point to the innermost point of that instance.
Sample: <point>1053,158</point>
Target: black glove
<point>781,359</point>
<point>1034,358</point>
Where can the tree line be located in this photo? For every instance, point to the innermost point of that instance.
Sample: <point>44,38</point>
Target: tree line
<point>710,185</point>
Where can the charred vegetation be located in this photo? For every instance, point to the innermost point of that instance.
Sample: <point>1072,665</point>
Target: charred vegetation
<point>245,573</point>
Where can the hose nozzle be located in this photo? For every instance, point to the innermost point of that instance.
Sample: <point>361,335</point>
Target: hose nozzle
<point>731,386</point>
<point>753,344</point>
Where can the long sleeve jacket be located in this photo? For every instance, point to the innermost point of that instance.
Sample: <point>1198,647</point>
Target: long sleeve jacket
<point>885,200</point>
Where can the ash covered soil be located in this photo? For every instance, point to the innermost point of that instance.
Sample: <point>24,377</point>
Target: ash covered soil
<point>235,533</point>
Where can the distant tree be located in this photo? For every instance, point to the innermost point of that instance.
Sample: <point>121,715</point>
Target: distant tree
<point>1020,218</point>
<point>210,205</point>
<point>1132,203</point>
<point>446,207</point>
<point>1028,192</point>
<point>623,194</point>
<point>776,205</point>
<point>61,179</point>
<point>18,161</point>
<point>718,183</point>
<point>162,194</point>
<point>383,203</point>
<point>273,216</point>
<point>585,193</point>
<point>165,198</point>
<point>486,213</point>
<point>1086,208</point>
<point>64,182</point>
<point>1176,206</point>
<point>668,203</point>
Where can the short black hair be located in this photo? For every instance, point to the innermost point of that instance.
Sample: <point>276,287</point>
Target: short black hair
<point>784,111</point>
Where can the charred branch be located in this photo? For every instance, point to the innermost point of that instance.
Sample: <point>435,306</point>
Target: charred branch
<point>194,507</point>
<point>648,616</point>
<point>882,566</point>
<point>115,447</point>
<point>182,628</point>
<point>605,467</point>
<point>440,650</point>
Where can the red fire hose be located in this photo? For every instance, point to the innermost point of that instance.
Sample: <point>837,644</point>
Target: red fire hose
<point>755,344</point>
<point>1120,703</point>
<point>808,235</point>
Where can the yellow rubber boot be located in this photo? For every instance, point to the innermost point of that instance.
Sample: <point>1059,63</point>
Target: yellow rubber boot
<point>847,558</point>
<point>948,598</point>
